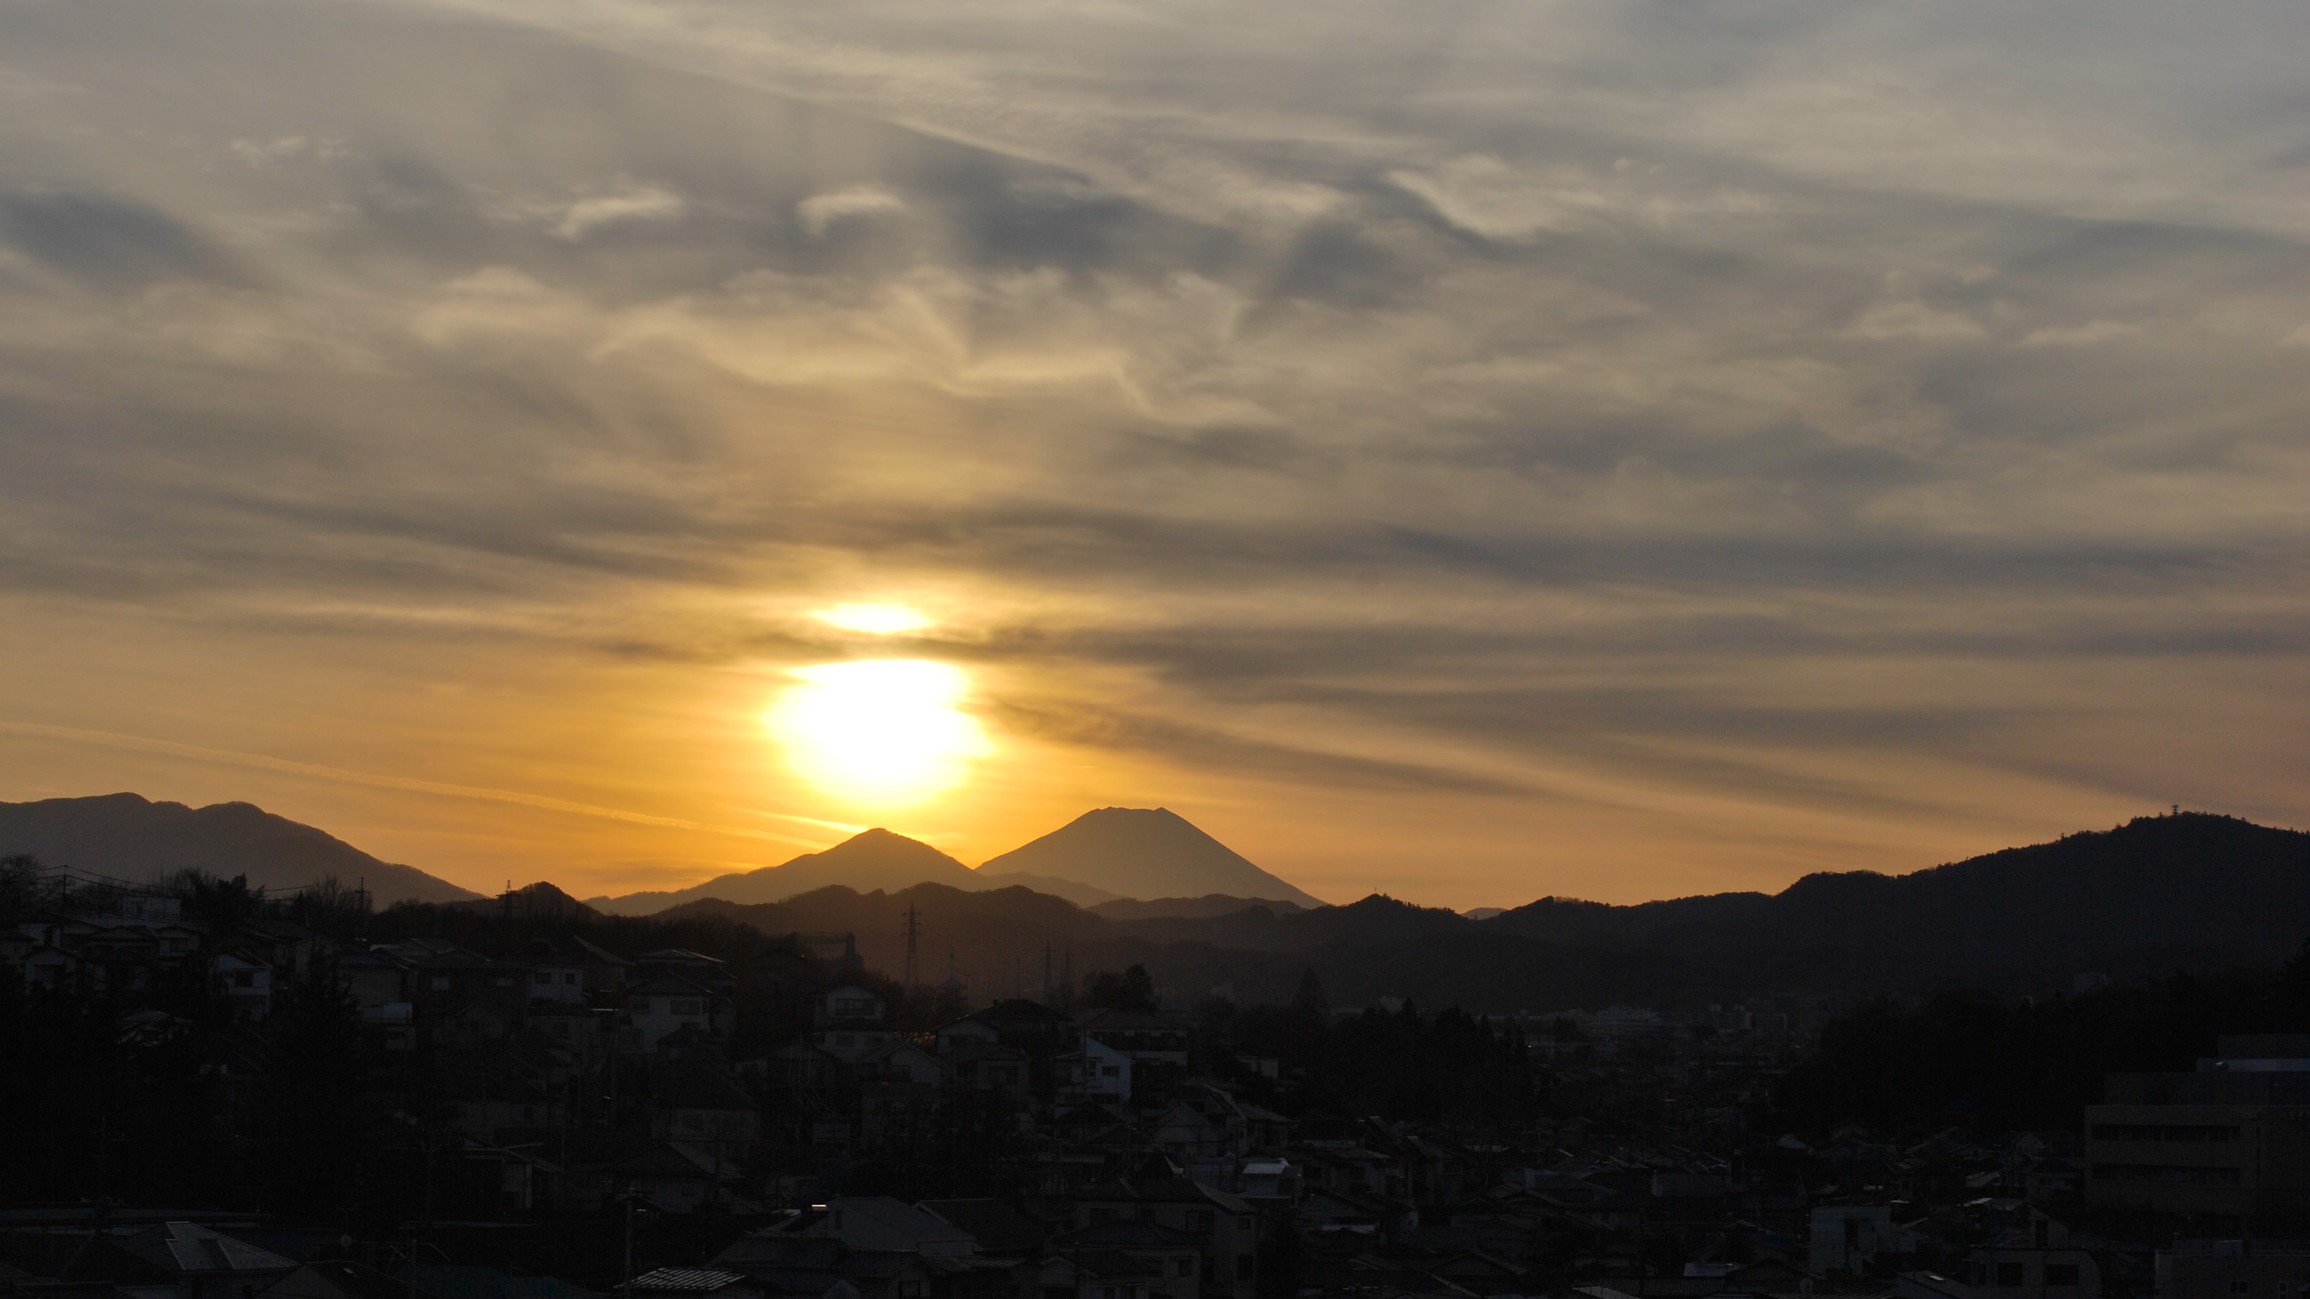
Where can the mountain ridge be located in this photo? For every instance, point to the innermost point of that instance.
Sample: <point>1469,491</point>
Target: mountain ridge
<point>132,837</point>
<point>871,859</point>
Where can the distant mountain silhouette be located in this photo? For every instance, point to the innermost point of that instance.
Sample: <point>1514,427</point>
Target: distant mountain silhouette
<point>542,900</point>
<point>867,861</point>
<point>2191,892</point>
<point>1082,895</point>
<point>2153,895</point>
<point>2186,892</point>
<point>1145,853</point>
<point>130,837</point>
<point>1105,856</point>
<point>1207,907</point>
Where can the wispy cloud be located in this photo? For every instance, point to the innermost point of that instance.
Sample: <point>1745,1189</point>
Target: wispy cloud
<point>1774,413</point>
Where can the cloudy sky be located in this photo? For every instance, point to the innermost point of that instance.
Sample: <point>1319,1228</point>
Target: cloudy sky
<point>1470,450</point>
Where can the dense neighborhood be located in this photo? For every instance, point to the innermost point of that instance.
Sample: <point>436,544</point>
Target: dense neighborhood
<point>215,1093</point>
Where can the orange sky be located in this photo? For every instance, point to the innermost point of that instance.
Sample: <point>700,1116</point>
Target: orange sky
<point>1616,452</point>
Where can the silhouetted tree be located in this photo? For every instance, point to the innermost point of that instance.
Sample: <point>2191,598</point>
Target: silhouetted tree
<point>1134,989</point>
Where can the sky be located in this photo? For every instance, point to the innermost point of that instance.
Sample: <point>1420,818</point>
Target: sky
<point>1471,451</point>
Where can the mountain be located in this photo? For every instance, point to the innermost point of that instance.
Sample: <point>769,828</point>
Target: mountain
<point>2159,893</point>
<point>868,861</point>
<point>130,837</point>
<point>2191,892</point>
<point>1209,906</point>
<point>1082,895</point>
<point>1145,853</point>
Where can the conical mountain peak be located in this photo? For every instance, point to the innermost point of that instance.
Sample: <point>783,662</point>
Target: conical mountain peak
<point>1143,852</point>
<point>866,861</point>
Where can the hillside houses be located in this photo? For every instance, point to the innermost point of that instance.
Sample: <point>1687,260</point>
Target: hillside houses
<point>518,1102</point>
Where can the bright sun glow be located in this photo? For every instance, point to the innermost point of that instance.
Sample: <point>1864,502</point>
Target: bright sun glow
<point>873,619</point>
<point>879,732</point>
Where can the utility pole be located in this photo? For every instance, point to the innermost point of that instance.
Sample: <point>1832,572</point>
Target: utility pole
<point>913,934</point>
<point>626,1285</point>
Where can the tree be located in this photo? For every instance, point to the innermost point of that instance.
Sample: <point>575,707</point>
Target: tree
<point>1134,989</point>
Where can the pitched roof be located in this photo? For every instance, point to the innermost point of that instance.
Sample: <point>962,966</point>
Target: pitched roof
<point>688,1279</point>
<point>994,1224</point>
<point>186,1247</point>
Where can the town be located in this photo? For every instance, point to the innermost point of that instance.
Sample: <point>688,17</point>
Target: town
<point>214,1092</point>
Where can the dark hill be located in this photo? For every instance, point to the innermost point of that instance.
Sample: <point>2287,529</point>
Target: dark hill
<point>2156,894</point>
<point>1209,906</point>
<point>867,861</point>
<point>130,837</point>
<point>2191,892</point>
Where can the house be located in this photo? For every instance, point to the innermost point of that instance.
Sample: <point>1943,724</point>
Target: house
<point>444,980</point>
<point>605,971</point>
<point>851,1024</point>
<point>51,967</point>
<point>374,978</point>
<point>987,1068</point>
<point>900,1062</point>
<point>703,1107</point>
<point>246,982</point>
<point>557,972</point>
<point>674,1176</point>
<point>205,1263</point>
<point>1149,1039</point>
<point>662,1005</point>
<point>1223,1227</point>
<point>1094,1074</point>
<point>1128,1256</point>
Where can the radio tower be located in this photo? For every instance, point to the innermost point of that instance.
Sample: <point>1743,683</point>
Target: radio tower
<point>913,933</point>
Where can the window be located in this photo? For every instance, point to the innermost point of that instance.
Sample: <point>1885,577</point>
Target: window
<point>244,978</point>
<point>641,1005</point>
<point>2009,1276</point>
<point>569,977</point>
<point>502,981</point>
<point>1199,1220</point>
<point>1182,1266</point>
<point>440,983</point>
<point>689,1006</point>
<point>2237,1287</point>
<point>2061,1274</point>
<point>1243,1266</point>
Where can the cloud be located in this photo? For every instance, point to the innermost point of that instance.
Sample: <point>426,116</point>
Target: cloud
<point>105,242</point>
<point>821,211</point>
<point>627,203</point>
<point>1597,408</point>
<point>1914,321</point>
<point>2090,334</point>
<point>258,153</point>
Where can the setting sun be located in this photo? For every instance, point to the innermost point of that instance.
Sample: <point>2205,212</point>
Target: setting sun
<point>879,732</point>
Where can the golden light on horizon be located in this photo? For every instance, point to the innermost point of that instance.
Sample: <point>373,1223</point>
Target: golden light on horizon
<point>873,619</point>
<point>879,732</point>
